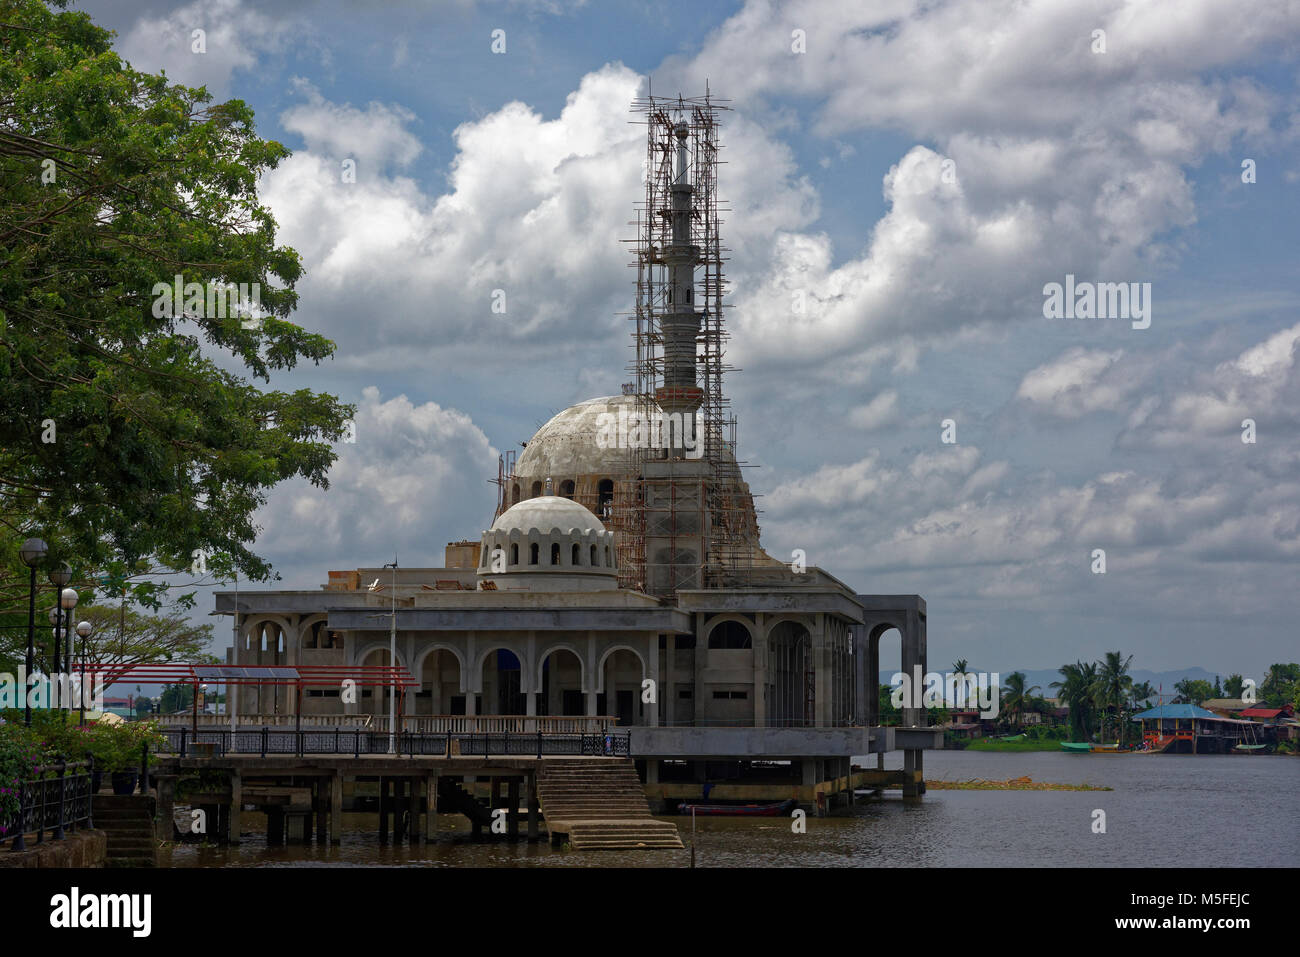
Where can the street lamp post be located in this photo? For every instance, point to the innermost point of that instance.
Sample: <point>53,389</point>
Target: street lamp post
<point>32,553</point>
<point>67,602</point>
<point>84,628</point>
<point>59,576</point>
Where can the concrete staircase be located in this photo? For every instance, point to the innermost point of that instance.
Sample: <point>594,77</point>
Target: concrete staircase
<point>128,821</point>
<point>600,805</point>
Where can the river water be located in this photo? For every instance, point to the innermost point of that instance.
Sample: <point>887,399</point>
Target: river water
<point>1163,811</point>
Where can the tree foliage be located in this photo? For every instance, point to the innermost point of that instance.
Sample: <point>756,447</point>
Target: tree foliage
<point>132,439</point>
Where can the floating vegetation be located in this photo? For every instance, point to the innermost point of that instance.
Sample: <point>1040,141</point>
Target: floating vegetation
<point>1012,784</point>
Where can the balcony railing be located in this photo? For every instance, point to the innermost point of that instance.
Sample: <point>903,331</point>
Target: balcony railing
<point>423,723</point>
<point>183,742</point>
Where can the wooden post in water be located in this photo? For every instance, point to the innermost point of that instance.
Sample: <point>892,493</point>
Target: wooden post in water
<point>431,818</point>
<point>383,810</point>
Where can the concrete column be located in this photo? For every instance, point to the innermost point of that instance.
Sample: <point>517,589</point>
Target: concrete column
<point>760,674</point>
<point>384,806</point>
<point>292,639</point>
<point>512,805</point>
<point>336,808</point>
<point>532,807</point>
<point>431,815</point>
<point>165,824</point>
<point>471,704</point>
<point>670,673</point>
<point>320,805</point>
<point>236,804</point>
<point>652,719</point>
<point>530,703</point>
<point>592,671</point>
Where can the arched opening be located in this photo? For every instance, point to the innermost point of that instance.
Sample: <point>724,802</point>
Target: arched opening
<point>555,553</point>
<point>502,683</point>
<point>514,494</point>
<point>566,488</point>
<point>532,553</point>
<point>312,636</point>
<point>730,635</point>
<point>881,706</point>
<point>562,692</point>
<point>514,554</point>
<point>624,672</point>
<point>594,563</point>
<point>791,677</point>
<point>575,556</point>
<point>605,498</point>
<point>440,685</point>
<point>537,490</point>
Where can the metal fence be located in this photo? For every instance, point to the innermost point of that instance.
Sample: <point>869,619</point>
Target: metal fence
<point>54,800</point>
<point>185,742</point>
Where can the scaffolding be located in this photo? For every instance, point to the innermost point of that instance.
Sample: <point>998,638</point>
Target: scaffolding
<point>682,521</point>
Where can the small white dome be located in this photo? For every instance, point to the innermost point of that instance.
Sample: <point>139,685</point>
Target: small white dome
<point>547,512</point>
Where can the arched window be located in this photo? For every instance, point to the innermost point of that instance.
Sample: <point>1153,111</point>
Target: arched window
<point>313,637</point>
<point>514,554</point>
<point>537,489</point>
<point>532,553</point>
<point>729,635</point>
<point>576,557</point>
<point>566,488</point>
<point>514,494</point>
<point>605,498</point>
<point>594,563</point>
<point>555,553</point>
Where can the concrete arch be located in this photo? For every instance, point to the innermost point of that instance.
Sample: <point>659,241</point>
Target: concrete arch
<point>525,666</point>
<point>427,650</point>
<point>365,650</point>
<point>600,665</point>
<point>561,646</point>
<point>257,621</point>
<point>807,622</point>
<point>716,620</point>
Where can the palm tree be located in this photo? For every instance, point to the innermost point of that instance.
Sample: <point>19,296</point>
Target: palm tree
<point>1113,683</point>
<point>959,671</point>
<point>1075,689</point>
<point>1015,696</point>
<point>1141,693</point>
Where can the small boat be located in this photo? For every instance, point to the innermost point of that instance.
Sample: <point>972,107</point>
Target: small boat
<point>772,809</point>
<point>1076,747</point>
<point>1108,749</point>
<point>1249,748</point>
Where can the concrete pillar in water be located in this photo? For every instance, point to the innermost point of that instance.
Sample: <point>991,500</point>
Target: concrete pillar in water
<point>512,803</point>
<point>431,816</point>
<point>236,805</point>
<point>532,807</point>
<point>336,807</point>
<point>383,810</point>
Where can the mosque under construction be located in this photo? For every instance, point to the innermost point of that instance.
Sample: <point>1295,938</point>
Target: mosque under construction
<point>622,580</point>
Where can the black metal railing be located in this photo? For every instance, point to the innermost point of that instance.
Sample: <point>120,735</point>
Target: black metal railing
<point>53,800</point>
<point>186,742</point>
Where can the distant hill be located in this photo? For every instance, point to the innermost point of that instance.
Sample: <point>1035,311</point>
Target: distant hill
<point>1044,678</point>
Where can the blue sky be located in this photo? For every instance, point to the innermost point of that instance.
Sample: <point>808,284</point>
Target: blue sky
<point>520,170</point>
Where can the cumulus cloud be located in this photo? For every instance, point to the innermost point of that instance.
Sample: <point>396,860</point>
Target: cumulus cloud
<point>407,484</point>
<point>1075,383</point>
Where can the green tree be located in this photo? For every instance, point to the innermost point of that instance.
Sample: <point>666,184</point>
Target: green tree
<point>1111,688</point>
<point>113,182</point>
<point>1233,685</point>
<point>1016,697</point>
<point>1193,691</point>
<point>1281,685</point>
<point>1075,689</point>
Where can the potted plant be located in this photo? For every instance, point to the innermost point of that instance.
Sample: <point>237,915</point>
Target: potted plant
<point>116,749</point>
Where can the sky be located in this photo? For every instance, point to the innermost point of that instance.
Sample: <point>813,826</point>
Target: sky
<point>917,175</point>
